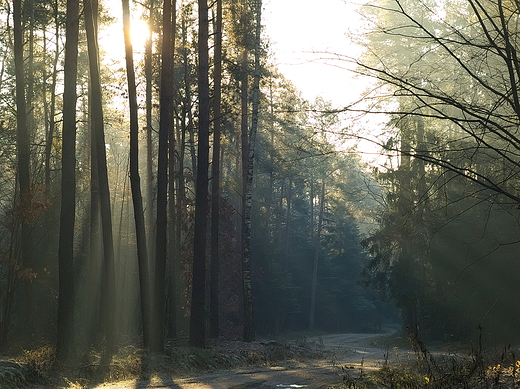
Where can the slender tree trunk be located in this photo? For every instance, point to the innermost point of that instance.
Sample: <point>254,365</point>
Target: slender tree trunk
<point>191,130</point>
<point>215,177</point>
<point>174,269</point>
<point>29,79</point>
<point>50,121</point>
<point>197,317</point>
<point>23,159</point>
<point>174,265</point>
<point>65,328</point>
<point>271,172</point>
<point>314,280</point>
<point>244,122</point>
<point>96,252</point>
<point>180,210</point>
<point>288,225</point>
<point>50,127</point>
<point>188,104</point>
<point>96,119</point>
<point>149,129</point>
<point>135,181</point>
<point>249,334</point>
<point>165,126</point>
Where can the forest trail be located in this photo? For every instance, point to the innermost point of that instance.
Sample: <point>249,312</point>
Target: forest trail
<point>353,353</point>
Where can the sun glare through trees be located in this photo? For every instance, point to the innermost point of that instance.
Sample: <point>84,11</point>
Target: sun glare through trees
<point>178,174</point>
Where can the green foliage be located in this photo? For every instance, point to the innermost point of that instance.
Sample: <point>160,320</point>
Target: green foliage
<point>448,228</point>
<point>293,157</point>
<point>444,252</point>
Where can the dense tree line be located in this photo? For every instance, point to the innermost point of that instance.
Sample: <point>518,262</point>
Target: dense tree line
<point>111,179</point>
<point>446,74</point>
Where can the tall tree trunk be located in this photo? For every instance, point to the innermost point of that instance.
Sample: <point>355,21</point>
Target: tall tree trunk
<point>49,106</point>
<point>135,181</point>
<point>288,225</point>
<point>249,334</point>
<point>165,126</point>
<point>23,154</point>
<point>174,269</point>
<point>180,206</point>
<point>65,328</point>
<point>314,280</point>
<point>96,119</point>
<point>149,129</point>
<point>215,177</point>
<point>244,122</point>
<point>197,317</point>
<point>96,252</point>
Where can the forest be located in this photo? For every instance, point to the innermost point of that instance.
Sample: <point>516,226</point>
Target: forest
<point>184,190</point>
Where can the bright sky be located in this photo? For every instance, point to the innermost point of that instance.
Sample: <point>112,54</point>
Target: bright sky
<point>299,29</point>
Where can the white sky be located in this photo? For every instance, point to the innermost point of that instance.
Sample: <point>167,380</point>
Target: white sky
<point>299,29</point>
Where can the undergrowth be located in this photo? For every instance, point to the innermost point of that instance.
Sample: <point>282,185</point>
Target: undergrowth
<point>472,370</point>
<point>39,368</point>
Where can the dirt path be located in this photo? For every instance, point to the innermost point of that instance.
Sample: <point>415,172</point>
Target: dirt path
<point>349,351</point>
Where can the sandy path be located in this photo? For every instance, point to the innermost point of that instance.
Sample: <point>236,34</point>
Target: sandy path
<point>351,351</point>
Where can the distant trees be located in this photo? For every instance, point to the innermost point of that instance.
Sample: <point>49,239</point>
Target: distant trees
<point>450,75</point>
<point>291,156</point>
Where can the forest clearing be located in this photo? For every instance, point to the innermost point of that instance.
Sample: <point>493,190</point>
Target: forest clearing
<point>165,188</point>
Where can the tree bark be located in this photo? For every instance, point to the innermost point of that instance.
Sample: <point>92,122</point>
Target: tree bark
<point>65,325</point>
<point>149,127</point>
<point>249,334</point>
<point>314,281</point>
<point>135,181</point>
<point>197,317</point>
<point>96,120</point>
<point>23,158</point>
<point>165,126</point>
<point>50,107</point>
<point>215,177</point>
<point>174,260</point>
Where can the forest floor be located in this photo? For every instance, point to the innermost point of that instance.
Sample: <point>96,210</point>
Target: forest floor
<point>334,361</point>
<point>312,363</point>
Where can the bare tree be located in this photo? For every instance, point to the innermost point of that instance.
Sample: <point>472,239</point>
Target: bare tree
<point>461,70</point>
